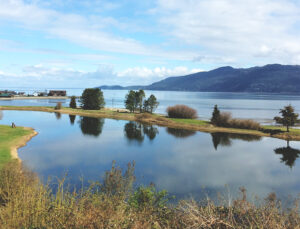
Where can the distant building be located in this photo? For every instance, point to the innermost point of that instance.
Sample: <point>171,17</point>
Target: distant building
<point>42,93</point>
<point>21,93</point>
<point>35,94</point>
<point>57,93</point>
<point>7,94</point>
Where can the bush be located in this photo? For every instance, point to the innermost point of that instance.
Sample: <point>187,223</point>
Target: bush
<point>244,124</point>
<point>181,111</point>
<point>225,120</point>
<point>73,102</point>
<point>58,106</point>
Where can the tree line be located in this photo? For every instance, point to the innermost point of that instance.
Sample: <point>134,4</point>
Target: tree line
<point>93,99</point>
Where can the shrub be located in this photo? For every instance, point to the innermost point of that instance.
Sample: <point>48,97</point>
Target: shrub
<point>58,106</point>
<point>181,111</point>
<point>244,124</point>
<point>73,102</point>
<point>225,120</point>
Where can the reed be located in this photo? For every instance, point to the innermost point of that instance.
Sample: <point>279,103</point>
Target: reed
<point>113,203</point>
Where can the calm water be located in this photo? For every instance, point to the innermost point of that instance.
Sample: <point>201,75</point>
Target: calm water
<point>261,107</point>
<point>183,162</point>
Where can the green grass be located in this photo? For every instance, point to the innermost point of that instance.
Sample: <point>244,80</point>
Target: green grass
<point>190,121</point>
<point>8,138</point>
<point>283,128</point>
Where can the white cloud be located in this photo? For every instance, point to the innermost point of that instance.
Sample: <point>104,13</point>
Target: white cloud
<point>236,29</point>
<point>158,72</point>
<point>88,31</point>
<point>41,75</point>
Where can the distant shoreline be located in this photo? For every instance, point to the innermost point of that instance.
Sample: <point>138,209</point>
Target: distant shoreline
<point>35,97</point>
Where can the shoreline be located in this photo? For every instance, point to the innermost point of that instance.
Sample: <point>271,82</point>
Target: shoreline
<point>34,97</point>
<point>156,119</point>
<point>21,143</point>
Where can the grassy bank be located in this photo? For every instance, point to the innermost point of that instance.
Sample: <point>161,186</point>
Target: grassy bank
<point>113,203</point>
<point>11,139</point>
<point>188,124</point>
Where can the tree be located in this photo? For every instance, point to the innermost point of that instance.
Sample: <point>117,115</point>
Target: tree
<point>72,119</point>
<point>73,102</point>
<point>140,95</point>
<point>92,99</point>
<point>215,119</point>
<point>151,104</point>
<point>289,154</point>
<point>130,101</point>
<point>91,126</point>
<point>289,117</point>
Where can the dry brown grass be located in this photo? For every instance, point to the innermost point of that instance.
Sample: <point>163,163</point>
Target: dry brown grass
<point>26,203</point>
<point>226,120</point>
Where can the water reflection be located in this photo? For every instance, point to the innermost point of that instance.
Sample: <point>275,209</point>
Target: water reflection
<point>150,131</point>
<point>180,133</point>
<point>91,126</point>
<point>224,139</point>
<point>72,119</point>
<point>135,131</point>
<point>57,115</point>
<point>1,115</point>
<point>289,154</point>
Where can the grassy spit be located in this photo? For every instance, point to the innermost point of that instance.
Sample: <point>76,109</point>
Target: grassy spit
<point>160,120</point>
<point>113,203</point>
<point>11,139</point>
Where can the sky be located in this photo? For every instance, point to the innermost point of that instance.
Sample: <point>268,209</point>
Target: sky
<point>88,43</point>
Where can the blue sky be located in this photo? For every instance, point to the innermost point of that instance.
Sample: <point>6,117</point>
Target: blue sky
<point>87,43</point>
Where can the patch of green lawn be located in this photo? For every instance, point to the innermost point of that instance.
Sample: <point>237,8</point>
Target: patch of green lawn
<point>293,131</point>
<point>8,138</point>
<point>190,121</point>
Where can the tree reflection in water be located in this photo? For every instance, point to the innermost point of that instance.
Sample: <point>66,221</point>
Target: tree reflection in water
<point>72,119</point>
<point>91,126</point>
<point>1,115</point>
<point>57,115</point>
<point>289,155</point>
<point>135,131</point>
<point>180,133</point>
<point>224,139</point>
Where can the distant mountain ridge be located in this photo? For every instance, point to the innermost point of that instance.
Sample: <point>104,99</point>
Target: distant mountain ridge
<point>272,78</point>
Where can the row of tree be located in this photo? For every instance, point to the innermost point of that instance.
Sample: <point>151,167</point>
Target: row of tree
<point>92,99</point>
<point>135,101</point>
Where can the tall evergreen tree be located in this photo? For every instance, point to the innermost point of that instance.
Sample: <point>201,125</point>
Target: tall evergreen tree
<point>92,99</point>
<point>215,119</point>
<point>73,102</point>
<point>289,117</point>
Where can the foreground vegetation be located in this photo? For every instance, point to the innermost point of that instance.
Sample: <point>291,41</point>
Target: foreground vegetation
<point>10,140</point>
<point>113,203</point>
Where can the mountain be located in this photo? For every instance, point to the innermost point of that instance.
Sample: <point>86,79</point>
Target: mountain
<point>272,78</point>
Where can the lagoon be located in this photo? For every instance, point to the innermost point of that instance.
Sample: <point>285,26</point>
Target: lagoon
<point>260,107</point>
<point>185,163</point>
